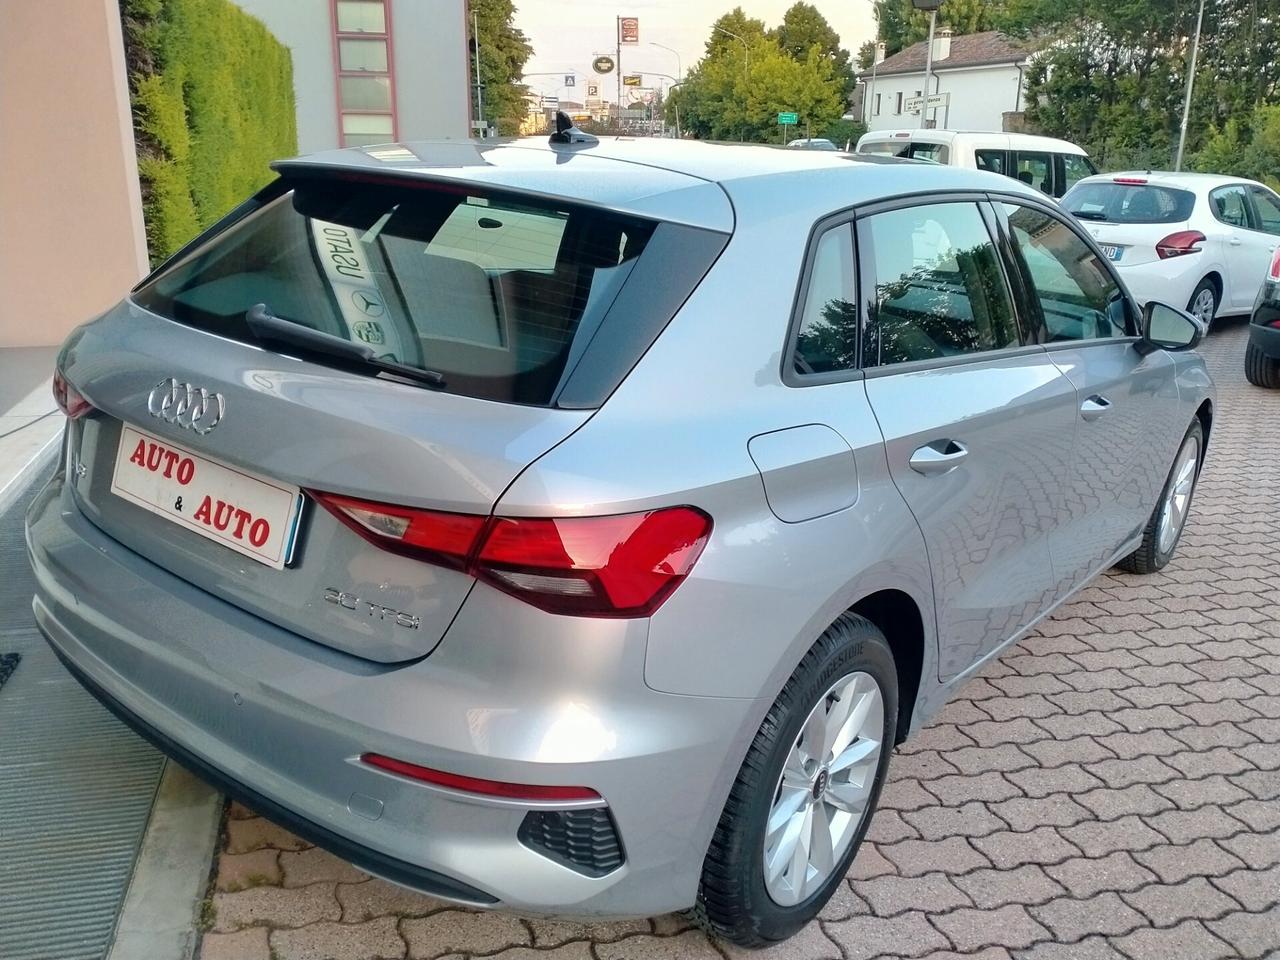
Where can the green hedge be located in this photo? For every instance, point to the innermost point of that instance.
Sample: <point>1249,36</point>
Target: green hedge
<point>212,94</point>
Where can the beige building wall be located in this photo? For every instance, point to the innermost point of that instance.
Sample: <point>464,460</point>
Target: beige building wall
<point>71,233</point>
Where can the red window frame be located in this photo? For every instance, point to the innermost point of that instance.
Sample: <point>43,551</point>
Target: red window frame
<point>339,73</point>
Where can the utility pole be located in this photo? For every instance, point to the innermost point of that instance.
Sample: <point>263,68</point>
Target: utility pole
<point>746,65</point>
<point>928,71</point>
<point>1191,80</point>
<point>618,64</point>
<point>475,41</point>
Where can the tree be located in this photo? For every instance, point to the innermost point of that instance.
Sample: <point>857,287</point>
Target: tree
<point>504,50</point>
<point>901,25</point>
<point>804,28</point>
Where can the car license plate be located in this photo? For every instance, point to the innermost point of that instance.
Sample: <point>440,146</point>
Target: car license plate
<point>1112,252</point>
<point>250,515</point>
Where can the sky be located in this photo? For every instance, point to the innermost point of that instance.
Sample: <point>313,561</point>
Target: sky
<point>567,34</point>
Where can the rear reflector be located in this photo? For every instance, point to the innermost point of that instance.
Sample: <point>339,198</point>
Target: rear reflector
<point>616,566</point>
<point>487,788</point>
<point>1179,244</point>
<point>68,397</point>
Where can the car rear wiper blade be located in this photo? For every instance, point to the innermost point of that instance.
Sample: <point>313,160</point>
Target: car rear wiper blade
<point>1088,215</point>
<point>267,326</point>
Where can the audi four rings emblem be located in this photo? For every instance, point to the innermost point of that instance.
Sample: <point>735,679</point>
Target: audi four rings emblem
<point>186,406</point>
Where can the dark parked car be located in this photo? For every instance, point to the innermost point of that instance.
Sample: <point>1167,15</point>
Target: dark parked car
<point>1262,356</point>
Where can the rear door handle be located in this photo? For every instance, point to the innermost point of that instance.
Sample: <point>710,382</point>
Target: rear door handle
<point>939,457</point>
<point>1236,241</point>
<point>1094,407</point>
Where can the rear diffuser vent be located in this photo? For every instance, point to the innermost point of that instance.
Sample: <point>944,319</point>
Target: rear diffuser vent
<point>583,840</point>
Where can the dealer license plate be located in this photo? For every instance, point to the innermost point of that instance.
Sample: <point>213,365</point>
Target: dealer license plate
<point>250,515</point>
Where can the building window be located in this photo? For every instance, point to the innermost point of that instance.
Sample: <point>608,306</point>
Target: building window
<point>362,16</point>
<point>898,106</point>
<point>877,111</point>
<point>365,71</point>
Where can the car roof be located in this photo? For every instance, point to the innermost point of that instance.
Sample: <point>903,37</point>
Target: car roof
<point>950,136</point>
<point>1195,182</point>
<point>682,181</point>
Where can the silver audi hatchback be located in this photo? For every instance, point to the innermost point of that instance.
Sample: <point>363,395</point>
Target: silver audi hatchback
<point>576,527</point>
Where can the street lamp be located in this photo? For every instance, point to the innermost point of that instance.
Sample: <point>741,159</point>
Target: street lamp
<point>746,64</point>
<point>1191,79</point>
<point>930,7</point>
<point>672,50</point>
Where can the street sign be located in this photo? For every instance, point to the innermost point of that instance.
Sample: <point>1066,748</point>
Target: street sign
<point>632,80</point>
<point>603,64</point>
<point>568,80</point>
<point>593,90</point>
<point>550,103</point>
<point>629,30</point>
<point>915,104</point>
<point>789,118</point>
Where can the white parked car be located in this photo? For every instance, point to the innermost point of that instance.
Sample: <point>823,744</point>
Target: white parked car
<point>812,143</point>
<point>1183,238</point>
<point>1051,166</point>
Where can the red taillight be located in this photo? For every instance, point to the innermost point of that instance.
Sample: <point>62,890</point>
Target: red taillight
<point>616,566</point>
<point>433,535</point>
<point>488,788</point>
<point>1273,273</point>
<point>68,397</point>
<point>1130,181</point>
<point>1179,244</point>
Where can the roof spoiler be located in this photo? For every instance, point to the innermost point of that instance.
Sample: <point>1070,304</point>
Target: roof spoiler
<point>566,132</point>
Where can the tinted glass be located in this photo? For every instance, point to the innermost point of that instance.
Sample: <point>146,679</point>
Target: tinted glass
<point>1035,170</point>
<point>490,292</point>
<point>936,152</point>
<point>1129,203</point>
<point>940,291</point>
<point>997,161</point>
<point>1078,296</point>
<point>1075,169</point>
<point>828,337</point>
<point>1268,207</point>
<point>1230,205</point>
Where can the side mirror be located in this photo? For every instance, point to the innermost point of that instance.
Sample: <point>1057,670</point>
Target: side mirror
<point>1168,328</point>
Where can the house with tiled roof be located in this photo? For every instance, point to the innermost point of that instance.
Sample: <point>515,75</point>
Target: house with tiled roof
<point>979,77</point>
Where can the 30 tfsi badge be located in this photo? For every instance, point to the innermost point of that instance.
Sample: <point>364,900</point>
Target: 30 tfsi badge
<point>251,515</point>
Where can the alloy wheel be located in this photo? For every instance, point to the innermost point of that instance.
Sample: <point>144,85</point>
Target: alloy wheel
<point>825,789</point>
<point>1203,306</point>
<point>1177,499</point>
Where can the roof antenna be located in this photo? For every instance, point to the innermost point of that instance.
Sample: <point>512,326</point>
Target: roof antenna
<point>566,132</point>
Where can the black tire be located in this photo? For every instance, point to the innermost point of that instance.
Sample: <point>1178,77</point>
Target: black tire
<point>733,902</point>
<point>1149,558</point>
<point>1261,370</point>
<point>1205,284</point>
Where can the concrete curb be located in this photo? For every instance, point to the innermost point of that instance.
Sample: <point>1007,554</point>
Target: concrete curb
<point>12,490</point>
<point>159,920</point>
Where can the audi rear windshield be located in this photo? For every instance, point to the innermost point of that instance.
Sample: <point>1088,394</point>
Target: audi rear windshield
<point>1129,203</point>
<point>498,294</point>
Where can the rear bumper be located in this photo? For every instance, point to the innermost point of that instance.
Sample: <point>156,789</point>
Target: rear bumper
<point>1169,281</point>
<point>511,694</point>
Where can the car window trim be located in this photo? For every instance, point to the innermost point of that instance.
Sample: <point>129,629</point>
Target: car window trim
<point>1071,224</point>
<point>1255,212</point>
<point>792,377</point>
<point>868,278</point>
<point>1248,205</point>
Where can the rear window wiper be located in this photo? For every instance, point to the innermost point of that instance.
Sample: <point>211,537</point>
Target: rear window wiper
<point>267,326</point>
<point>1088,214</point>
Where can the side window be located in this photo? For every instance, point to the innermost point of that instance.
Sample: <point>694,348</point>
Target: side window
<point>997,161</point>
<point>1230,205</point>
<point>1078,296</point>
<point>940,291</point>
<point>1074,169</point>
<point>828,336</point>
<point>1035,170</point>
<point>937,152</point>
<point>1268,206</point>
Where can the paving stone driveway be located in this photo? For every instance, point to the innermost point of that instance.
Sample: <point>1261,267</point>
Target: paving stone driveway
<point>1109,789</point>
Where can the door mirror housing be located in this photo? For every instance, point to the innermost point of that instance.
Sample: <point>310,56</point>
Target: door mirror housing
<point>1168,328</point>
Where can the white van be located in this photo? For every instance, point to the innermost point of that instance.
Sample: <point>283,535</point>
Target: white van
<point>1051,166</point>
